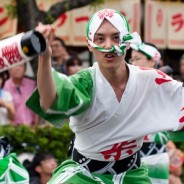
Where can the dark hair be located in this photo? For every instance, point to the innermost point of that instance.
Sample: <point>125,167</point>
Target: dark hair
<point>60,40</point>
<point>73,61</point>
<point>39,157</point>
<point>182,57</point>
<point>151,44</point>
<point>166,69</point>
<point>2,75</point>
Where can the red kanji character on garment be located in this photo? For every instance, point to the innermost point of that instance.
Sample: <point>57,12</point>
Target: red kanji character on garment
<point>117,148</point>
<point>158,80</point>
<point>146,138</point>
<point>181,120</point>
<point>177,20</point>
<point>4,19</point>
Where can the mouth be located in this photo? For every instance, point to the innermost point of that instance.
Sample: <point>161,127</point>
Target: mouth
<point>110,56</point>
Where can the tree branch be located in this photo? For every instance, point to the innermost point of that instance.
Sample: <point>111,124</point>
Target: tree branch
<point>58,8</point>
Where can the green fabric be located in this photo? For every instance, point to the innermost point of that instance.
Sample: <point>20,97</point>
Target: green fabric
<point>69,172</point>
<point>177,136</point>
<point>158,168</point>
<point>12,171</point>
<point>75,174</point>
<point>159,171</point>
<point>135,176</point>
<point>72,92</point>
<point>161,138</point>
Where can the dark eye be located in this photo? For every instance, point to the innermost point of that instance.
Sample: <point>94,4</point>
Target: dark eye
<point>116,38</point>
<point>99,39</point>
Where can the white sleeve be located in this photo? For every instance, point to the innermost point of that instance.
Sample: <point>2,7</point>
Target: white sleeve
<point>167,99</point>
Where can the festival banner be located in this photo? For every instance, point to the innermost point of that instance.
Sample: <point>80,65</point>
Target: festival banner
<point>130,9</point>
<point>71,25</point>
<point>155,23</point>
<point>7,24</point>
<point>62,24</point>
<point>79,20</point>
<point>176,25</point>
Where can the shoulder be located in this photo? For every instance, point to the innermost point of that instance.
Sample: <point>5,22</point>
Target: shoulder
<point>85,75</point>
<point>142,70</point>
<point>150,76</point>
<point>149,73</point>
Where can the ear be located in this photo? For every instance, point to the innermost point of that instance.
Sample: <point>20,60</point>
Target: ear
<point>153,62</point>
<point>38,169</point>
<point>89,47</point>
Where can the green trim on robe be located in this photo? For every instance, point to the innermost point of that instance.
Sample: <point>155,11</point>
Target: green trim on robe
<point>74,95</point>
<point>70,172</point>
<point>12,171</point>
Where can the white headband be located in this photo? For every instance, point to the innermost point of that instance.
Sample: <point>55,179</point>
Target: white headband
<point>148,50</point>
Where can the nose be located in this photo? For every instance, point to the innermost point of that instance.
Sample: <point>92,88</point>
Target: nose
<point>108,44</point>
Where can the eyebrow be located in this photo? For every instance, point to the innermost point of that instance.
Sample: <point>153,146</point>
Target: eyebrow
<point>101,34</point>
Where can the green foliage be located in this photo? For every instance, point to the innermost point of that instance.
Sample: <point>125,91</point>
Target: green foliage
<point>51,139</point>
<point>95,4</point>
<point>49,19</point>
<point>11,9</point>
<point>24,1</point>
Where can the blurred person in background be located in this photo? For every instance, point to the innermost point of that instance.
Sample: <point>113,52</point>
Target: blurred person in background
<point>145,55</point>
<point>60,55</point>
<point>7,111</point>
<point>153,151</point>
<point>41,168</point>
<point>182,67</point>
<point>73,65</point>
<point>21,88</point>
<point>167,70</point>
<point>176,157</point>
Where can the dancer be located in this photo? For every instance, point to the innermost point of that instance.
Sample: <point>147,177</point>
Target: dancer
<point>108,104</point>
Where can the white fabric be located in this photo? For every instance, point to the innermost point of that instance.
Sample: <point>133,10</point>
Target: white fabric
<point>157,165</point>
<point>7,97</point>
<point>148,50</point>
<point>144,107</point>
<point>119,22</point>
<point>113,17</point>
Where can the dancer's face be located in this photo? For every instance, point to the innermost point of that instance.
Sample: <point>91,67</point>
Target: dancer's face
<point>139,59</point>
<point>106,36</point>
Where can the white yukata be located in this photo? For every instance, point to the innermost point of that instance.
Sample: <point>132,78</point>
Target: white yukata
<point>108,130</point>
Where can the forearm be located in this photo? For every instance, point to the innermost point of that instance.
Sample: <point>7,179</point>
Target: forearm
<point>11,111</point>
<point>45,82</point>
